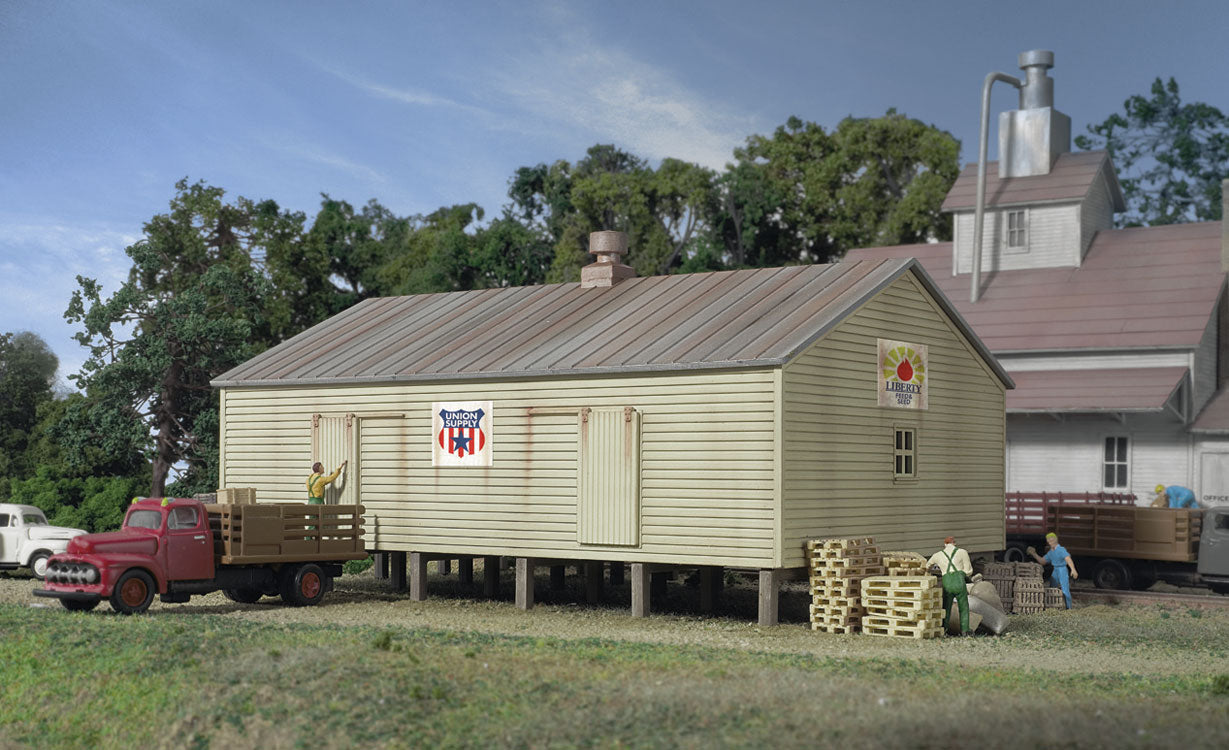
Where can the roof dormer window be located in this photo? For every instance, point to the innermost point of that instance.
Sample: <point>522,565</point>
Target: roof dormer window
<point>1015,235</point>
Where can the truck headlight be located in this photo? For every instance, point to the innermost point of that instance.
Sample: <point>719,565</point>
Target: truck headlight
<point>91,575</point>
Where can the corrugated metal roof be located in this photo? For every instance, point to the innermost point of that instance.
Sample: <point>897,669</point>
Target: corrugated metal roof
<point>1071,178</point>
<point>660,323</point>
<point>1149,287</point>
<point>1114,390</point>
<point>1215,415</point>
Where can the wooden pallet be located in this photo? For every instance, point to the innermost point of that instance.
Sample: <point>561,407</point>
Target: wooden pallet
<point>836,601</point>
<point>839,629</point>
<point>920,602</point>
<point>930,619</point>
<point>901,613</point>
<point>903,631</point>
<point>841,543</point>
<point>902,583</point>
<point>906,569</point>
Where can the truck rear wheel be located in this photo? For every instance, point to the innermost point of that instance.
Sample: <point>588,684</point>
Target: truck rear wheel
<point>1015,552</point>
<point>133,592</point>
<point>303,585</point>
<point>1111,574</point>
<point>243,596</point>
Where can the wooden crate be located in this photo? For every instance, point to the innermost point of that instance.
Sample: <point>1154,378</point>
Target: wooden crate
<point>236,496</point>
<point>1005,588</point>
<point>999,570</point>
<point>286,532</point>
<point>1029,596</point>
<point>1054,599</point>
<point>1028,569</point>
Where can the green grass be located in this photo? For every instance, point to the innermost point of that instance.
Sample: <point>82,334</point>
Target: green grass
<point>207,680</point>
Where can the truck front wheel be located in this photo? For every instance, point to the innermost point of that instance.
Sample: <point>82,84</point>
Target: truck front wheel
<point>133,592</point>
<point>303,585</point>
<point>38,564</point>
<point>73,605</point>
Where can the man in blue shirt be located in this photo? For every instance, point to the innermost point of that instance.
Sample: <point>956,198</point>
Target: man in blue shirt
<point>1058,557</point>
<point>1176,495</point>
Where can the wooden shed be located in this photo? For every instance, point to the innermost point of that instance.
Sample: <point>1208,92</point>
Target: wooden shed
<point>711,421</point>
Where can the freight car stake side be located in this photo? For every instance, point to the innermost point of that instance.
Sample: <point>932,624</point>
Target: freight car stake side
<point>177,547</point>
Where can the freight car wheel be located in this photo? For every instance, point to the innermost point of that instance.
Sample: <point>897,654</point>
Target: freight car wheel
<point>76,606</point>
<point>243,596</point>
<point>133,592</point>
<point>1111,574</point>
<point>303,585</point>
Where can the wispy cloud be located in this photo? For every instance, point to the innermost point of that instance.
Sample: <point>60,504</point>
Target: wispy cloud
<point>297,149</point>
<point>39,265</point>
<point>616,97</point>
<point>411,96</point>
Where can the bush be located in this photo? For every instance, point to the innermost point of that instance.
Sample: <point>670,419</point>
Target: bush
<point>94,503</point>
<point>354,567</point>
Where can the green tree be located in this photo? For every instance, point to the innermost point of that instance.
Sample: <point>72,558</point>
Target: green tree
<point>27,377</point>
<point>1171,156</point>
<point>434,254</point>
<point>806,195</point>
<point>190,309</point>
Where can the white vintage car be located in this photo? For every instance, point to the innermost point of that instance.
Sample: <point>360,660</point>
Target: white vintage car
<point>26,540</point>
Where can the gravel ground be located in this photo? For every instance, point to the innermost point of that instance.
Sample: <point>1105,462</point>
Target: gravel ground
<point>1096,639</point>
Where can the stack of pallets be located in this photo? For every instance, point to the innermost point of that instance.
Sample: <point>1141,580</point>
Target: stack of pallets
<point>904,564</point>
<point>903,606</point>
<point>1003,577</point>
<point>837,567</point>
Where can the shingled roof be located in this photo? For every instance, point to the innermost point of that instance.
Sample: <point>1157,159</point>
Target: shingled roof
<point>1148,287</point>
<point>1071,179</point>
<point>725,319</point>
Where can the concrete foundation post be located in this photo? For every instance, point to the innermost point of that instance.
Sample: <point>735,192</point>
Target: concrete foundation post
<point>640,590</point>
<point>770,586</point>
<point>524,583</point>
<point>379,566</point>
<point>418,577</point>
<point>396,571</point>
<point>710,586</point>
<point>593,582</point>
<point>490,577</point>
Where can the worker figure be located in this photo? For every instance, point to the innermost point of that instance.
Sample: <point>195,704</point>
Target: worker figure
<point>318,481</point>
<point>1060,559</point>
<point>954,565</point>
<point>1174,496</point>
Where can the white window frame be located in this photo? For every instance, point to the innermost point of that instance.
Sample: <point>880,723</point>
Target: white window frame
<point>904,457</point>
<point>1022,230</point>
<point>1116,462</point>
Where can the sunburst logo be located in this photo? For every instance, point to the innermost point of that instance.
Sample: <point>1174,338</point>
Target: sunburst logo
<point>904,364</point>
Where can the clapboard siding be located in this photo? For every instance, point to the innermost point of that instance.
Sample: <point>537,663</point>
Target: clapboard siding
<point>707,450</point>
<point>1046,455</point>
<point>1053,239</point>
<point>837,455</point>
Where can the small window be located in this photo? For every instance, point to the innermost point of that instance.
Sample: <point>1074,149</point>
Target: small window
<point>1016,235</point>
<point>1116,474</point>
<point>904,454</point>
<point>182,518</point>
<point>4,520</point>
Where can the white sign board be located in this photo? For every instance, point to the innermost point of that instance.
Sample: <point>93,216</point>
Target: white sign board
<point>462,433</point>
<point>902,375</point>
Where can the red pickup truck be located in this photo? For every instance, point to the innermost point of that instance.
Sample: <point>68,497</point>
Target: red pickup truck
<point>178,547</point>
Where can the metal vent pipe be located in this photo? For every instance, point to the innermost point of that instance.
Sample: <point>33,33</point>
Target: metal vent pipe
<point>982,149</point>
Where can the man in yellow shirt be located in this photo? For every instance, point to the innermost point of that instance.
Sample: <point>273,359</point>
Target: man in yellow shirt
<point>318,481</point>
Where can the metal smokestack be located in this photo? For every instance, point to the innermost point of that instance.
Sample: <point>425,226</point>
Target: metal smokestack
<point>1030,138</point>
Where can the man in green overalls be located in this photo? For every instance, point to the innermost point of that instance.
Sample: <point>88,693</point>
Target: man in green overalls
<point>318,481</point>
<point>954,564</point>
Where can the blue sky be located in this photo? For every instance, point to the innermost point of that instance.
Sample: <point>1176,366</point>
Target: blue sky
<point>104,105</point>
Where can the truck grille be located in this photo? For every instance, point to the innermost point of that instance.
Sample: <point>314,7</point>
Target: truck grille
<point>79,573</point>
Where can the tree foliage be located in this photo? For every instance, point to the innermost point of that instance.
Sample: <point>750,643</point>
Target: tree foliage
<point>1171,156</point>
<point>27,376</point>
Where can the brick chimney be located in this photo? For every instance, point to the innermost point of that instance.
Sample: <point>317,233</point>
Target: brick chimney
<point>608,269</point>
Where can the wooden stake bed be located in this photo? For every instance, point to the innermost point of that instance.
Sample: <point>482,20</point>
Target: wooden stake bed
<point>286,532</point>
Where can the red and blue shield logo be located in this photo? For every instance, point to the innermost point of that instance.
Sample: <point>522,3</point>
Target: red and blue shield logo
<point>462,433</point>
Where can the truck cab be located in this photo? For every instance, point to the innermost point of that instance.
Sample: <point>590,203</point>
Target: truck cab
<point>162,541</point>
<point>28,541</point>
<point>1214,549</point>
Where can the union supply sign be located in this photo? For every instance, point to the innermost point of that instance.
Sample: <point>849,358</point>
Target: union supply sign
<point>461,433</point>
<point>902,375</point>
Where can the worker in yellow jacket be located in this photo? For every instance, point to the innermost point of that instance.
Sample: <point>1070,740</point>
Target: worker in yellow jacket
<point>318,481</point>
